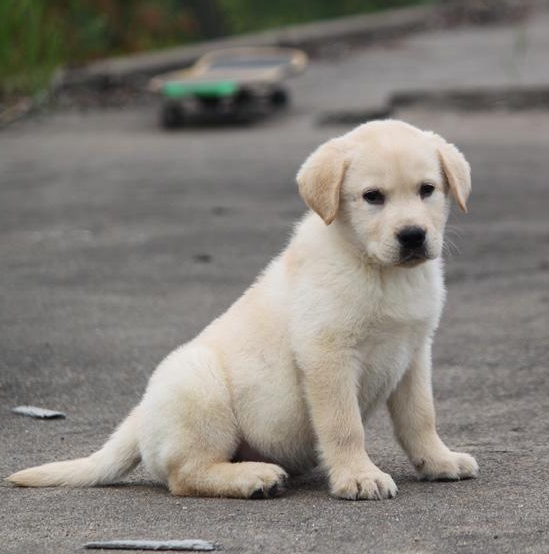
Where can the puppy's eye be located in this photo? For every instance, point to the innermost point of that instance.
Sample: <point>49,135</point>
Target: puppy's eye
<point>374,196</point>
<point>426,190</point>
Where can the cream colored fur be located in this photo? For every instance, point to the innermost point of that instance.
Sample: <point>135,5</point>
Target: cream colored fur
<point>336,325</point>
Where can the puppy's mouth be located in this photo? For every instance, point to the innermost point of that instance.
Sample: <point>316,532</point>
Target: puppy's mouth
<point>410,257</point>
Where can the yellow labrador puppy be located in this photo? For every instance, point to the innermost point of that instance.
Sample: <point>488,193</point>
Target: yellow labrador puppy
<point>338,323</point>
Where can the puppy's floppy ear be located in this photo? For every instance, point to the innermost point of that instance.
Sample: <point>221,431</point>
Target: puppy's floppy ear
<point>320,179</point>
<point>456,170</point>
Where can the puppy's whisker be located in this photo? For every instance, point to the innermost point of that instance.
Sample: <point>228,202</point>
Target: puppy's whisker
<point>450,247</point>
<point>453,233</point>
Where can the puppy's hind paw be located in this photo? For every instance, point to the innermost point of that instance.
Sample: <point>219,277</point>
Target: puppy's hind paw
<point>264,480</point>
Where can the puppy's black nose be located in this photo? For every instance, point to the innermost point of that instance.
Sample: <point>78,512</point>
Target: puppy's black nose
<point>411,237</point>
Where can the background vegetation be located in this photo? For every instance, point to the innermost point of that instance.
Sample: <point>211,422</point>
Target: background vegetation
<point>36,36</point>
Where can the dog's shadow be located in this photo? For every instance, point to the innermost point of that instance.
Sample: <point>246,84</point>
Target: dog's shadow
<point>314,481</point>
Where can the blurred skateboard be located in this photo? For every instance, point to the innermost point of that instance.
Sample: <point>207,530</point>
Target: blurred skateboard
<point>235,84</point>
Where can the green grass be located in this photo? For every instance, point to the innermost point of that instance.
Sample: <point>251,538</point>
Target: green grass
<point>37,36</point>
<point>31,46</point>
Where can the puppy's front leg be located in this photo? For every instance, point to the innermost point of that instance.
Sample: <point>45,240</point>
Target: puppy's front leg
<point>413,413</point>
<point>330,385</point>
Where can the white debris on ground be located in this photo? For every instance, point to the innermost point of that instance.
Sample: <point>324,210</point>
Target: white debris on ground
<point>39,413</point>
<point>189,544</point>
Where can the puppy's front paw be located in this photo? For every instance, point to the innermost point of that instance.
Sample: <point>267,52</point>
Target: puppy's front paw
<point>450,466</point>
<point>370,484</point>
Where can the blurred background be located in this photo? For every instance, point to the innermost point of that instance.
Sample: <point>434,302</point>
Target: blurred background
<point>72,32</point>
<point>121,239</point>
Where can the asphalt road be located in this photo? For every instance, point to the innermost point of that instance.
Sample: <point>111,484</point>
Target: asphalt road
<point>119,241</point>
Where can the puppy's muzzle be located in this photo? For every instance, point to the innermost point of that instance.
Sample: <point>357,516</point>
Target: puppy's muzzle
<point>412,244</point>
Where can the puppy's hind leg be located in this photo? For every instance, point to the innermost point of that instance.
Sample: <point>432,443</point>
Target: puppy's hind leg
<point>197,435</point>
<point>229,479</point>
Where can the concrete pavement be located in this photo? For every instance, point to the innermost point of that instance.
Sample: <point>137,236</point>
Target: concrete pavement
<point>120,241</point>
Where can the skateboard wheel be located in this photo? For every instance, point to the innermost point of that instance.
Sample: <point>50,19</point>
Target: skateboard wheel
<point>172,115</point>
<point>279,98</point>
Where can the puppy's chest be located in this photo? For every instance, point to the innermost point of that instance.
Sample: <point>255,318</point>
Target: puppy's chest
<point>382,359</point>
<point>387,337</point>
<point>395,314</point>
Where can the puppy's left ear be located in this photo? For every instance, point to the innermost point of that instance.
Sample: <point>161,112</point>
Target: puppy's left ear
<point>320,179</point>
<point>456,170</point>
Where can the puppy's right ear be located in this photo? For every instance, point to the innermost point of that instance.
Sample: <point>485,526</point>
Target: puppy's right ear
<point>320,179</point>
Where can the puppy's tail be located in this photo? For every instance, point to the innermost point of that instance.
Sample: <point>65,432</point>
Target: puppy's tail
<point>119,455</point>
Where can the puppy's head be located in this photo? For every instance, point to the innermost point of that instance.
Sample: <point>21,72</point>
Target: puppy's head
<point>387,184</point>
